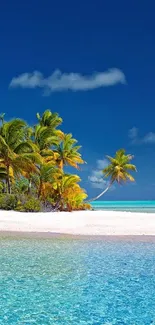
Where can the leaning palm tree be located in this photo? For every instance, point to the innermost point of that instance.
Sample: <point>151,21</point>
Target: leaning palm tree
<point>118,170</point>
<point>68,153</point>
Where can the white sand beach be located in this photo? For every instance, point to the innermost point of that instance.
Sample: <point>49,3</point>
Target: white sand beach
<point>104,223</point>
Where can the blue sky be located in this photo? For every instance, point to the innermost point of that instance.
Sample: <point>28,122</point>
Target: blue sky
<point>110,46</point>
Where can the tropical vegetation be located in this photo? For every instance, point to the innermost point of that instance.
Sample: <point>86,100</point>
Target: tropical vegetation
<point>34,163</point>
<point>33,166</point>
<point>118,170</point>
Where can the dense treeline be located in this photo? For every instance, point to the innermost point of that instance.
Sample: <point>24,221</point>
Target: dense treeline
<point>33,161</point>
<point>33,166</point>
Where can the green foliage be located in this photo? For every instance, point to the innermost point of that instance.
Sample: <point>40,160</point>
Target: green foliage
<point>118,170</point>
<point>68,152</point>
<point>32,205</point>
<point>20,186</point>
<point>8,201</point>
<point>34,162</point>
<point>119,167</point>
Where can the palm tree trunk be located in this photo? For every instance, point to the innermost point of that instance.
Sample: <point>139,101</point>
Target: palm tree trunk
<point>8,180</point>
<point>102,193</point>
<point>57,205</point>
<point>61,165</point>
<point>29,186</point>
<point>40,189</point>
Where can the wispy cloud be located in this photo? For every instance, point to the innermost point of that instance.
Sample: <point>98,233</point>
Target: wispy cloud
<point>133,133</point>
<point>149,138</point>
<point>96,177</point>
<point>59,81</point>
<point>101,163</point>
<point>136,139</point>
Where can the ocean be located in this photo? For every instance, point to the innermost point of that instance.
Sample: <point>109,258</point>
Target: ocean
<point>133,206</point>
<point>76,282</point>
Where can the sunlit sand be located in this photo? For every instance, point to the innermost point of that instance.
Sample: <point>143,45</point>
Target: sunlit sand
<point>80,223</point>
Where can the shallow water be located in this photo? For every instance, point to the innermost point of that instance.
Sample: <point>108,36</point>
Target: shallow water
<point>132,206</point>
<point>56,281</point>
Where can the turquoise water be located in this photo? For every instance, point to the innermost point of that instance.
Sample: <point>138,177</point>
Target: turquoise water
<point>136,206</point>
<point>76,282</point>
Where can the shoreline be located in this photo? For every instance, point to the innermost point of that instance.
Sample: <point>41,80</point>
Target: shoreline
<point>83,224</point>
<point>17,235</point>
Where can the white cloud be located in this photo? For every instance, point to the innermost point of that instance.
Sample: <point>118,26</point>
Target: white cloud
<point>135,139</point>
<point>101,163</point>
<point>133,133</point>
<point>149,138</point>
<point>59,81</point>
<point>96,178</point>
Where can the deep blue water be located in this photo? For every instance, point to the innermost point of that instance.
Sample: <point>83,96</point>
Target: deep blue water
<point>135,206</point>
<point>55,281</point>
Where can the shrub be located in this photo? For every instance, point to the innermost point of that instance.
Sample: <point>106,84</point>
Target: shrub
<point>8,201</point>
<point>19,208</point>
<point>31,205</point>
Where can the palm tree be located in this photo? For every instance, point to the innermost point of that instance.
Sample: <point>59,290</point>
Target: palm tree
<point>68,152</point>
<point>35,157</point>
<point>46,132</point>
<point>48,175</point>
<point>50,119</point>
<point>15,151</point>
<point>72,194</point>
<point>46,136</point>
<point>3,177</point>
<point>66,188</point>
<point>33,168</point>
<point>118,170</point>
